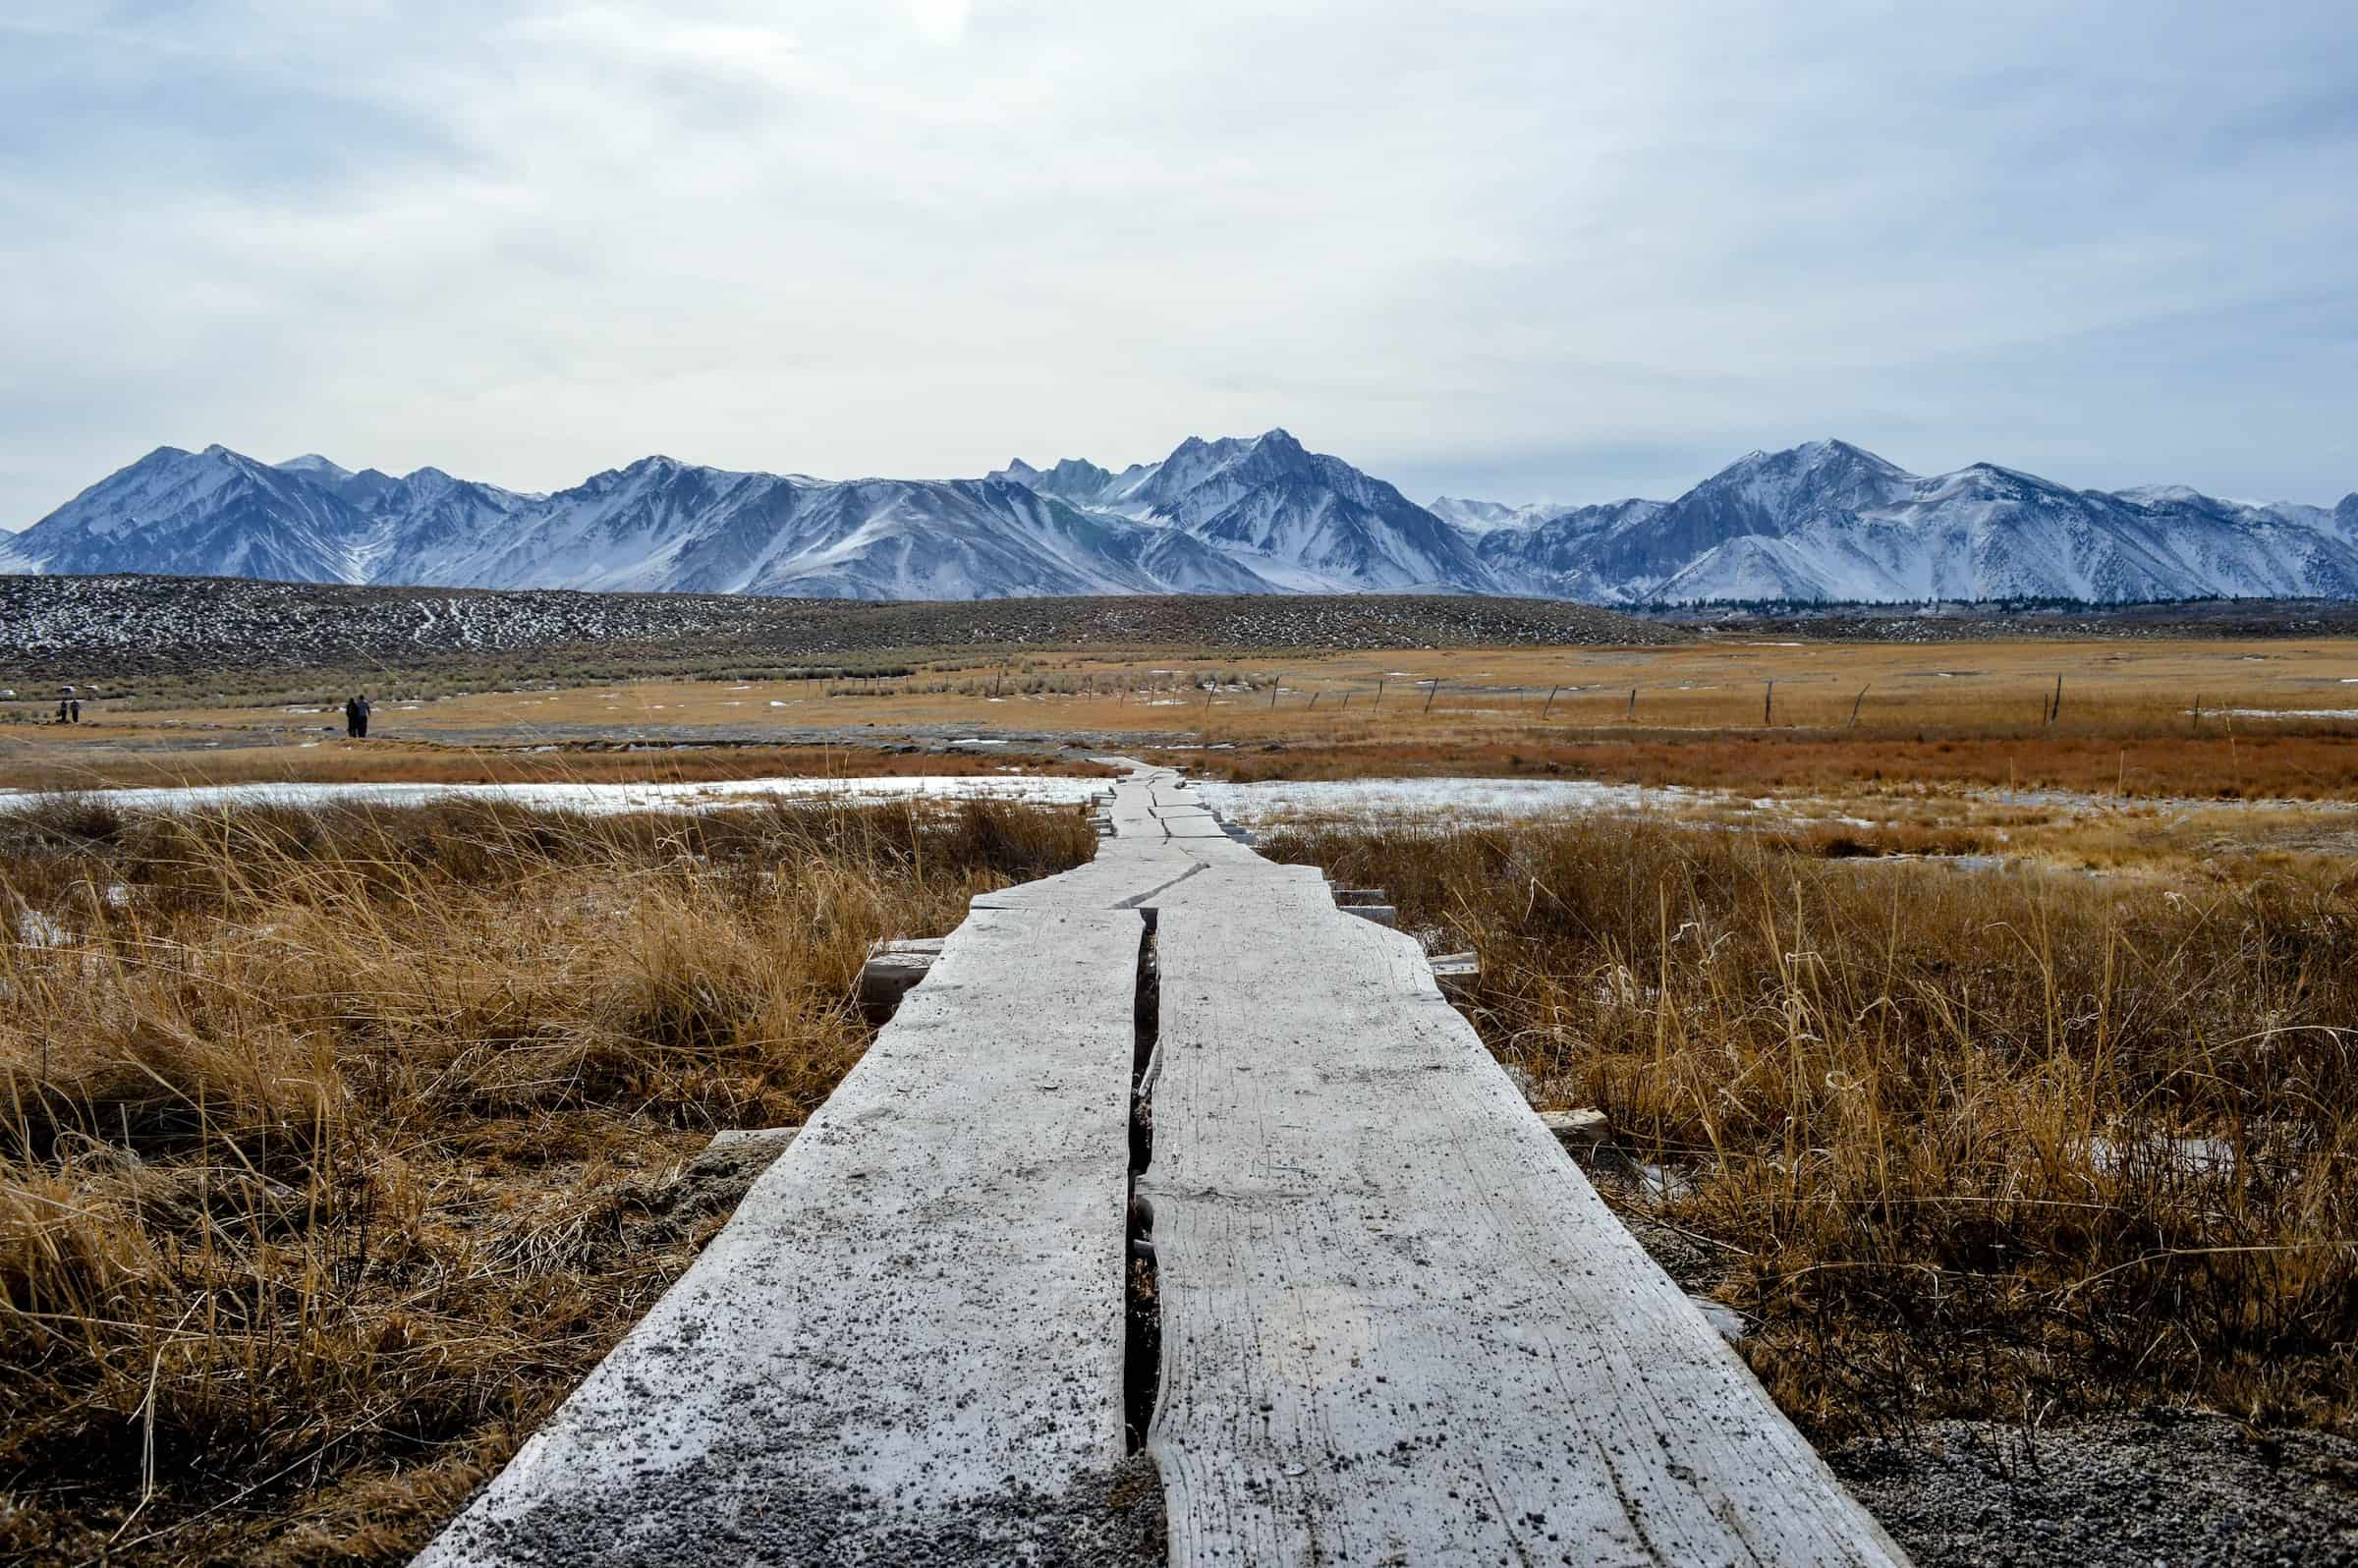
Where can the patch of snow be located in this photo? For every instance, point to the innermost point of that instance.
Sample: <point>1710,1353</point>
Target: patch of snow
<point>37,930</point>
<point>1726,1319</point>
<point>1255,805</point>
<point>605,799</point>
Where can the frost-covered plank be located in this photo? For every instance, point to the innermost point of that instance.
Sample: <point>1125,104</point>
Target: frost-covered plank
<point>1162,838</point>
<point>908,1342</point>
<point>1398,1326</point>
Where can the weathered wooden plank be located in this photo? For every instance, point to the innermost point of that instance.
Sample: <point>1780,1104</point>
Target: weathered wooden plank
<point>1458,975</point>
<point>1398,1326</point>
<point>891,970</point>
<point>907,1345</point>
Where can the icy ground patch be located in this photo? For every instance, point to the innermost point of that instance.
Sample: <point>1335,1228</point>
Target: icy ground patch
<point>1259,804</point>
<point>607,798</point>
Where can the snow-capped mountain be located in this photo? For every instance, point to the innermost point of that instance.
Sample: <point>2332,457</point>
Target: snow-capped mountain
<point>214,512</point>
<point>1479,518</point>
<point>1830,520</point>
<point>1299,519</point>
<point>1252,515</point>
<point>658,525</point>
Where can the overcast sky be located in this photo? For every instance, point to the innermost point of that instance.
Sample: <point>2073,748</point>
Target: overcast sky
<point>1522,251</point>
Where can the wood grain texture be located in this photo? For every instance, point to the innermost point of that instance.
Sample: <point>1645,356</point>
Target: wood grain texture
<point>1398,1326</point>
<point>910,1332</point>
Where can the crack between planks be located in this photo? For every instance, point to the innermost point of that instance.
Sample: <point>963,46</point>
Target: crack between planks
<point>1142,1318</point>
<point>1134,900</point>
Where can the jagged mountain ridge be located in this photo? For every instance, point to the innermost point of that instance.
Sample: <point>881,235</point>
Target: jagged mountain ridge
<point>1826,521</point>
<point>1300,520</point>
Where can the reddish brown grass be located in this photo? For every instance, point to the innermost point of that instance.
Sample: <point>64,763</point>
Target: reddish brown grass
<point>110,766</point>
<point>2211,767</point>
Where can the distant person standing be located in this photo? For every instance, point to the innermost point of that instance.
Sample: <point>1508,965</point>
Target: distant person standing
<point>76,706</point>
<point>356,718</point>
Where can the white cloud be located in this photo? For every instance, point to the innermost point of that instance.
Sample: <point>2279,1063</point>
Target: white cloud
<point>640,36</point>
<point>1529,248</point>
<point>939,21</point>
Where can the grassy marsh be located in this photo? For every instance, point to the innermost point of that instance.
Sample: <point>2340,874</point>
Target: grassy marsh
<point>1953,1141</point>
<point>336,1146</point>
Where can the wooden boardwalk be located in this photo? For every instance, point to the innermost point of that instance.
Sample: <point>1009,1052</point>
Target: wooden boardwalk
<point>1397,1327</point>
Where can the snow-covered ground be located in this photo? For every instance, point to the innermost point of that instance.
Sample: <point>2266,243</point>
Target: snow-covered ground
<point>1260,805</point>
<point>608,798</point>
<point>1251,805</point>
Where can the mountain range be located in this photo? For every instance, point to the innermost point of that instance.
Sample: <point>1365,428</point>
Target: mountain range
<point>1827,521</point>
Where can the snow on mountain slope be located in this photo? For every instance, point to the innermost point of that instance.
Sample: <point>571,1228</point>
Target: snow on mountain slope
<point>212,511</point>
<point>980,539</point>
<point>1242,514</point>
<point>1554,555</point>
<point>1828,521</point>
<point>1302,519</point>
<point>662,525</point>
<point>1069,479</point>
<point>1478,518</point>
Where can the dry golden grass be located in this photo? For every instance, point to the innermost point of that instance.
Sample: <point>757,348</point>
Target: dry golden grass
<point>1995,1143</point>
<point>1843,713</point>
<point>105,759</point>
<point>335,1147</point>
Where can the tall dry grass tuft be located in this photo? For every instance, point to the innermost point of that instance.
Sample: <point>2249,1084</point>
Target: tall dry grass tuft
<point>1954,1141</point>
<point>335,1145</point>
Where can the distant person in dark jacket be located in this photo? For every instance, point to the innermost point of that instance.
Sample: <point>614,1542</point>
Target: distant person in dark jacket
<point>76,705</point>
<point>357,714</point>
<point>352,718</point>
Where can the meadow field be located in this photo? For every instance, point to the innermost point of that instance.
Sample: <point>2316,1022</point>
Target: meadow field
<point>335,1147</point>
<point>2144,717</point>
<point>1987,1059</point>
